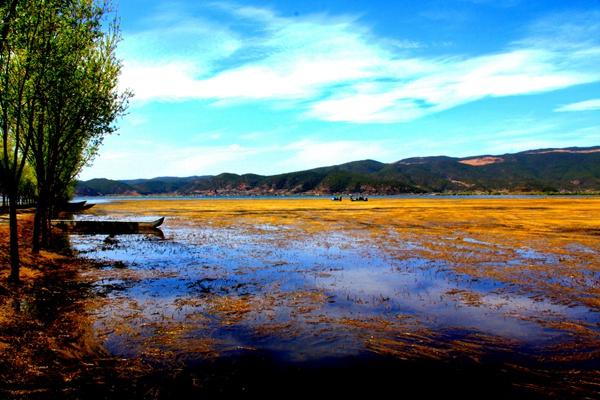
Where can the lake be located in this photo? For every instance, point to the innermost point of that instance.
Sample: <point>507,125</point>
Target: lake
<point>509,282</point>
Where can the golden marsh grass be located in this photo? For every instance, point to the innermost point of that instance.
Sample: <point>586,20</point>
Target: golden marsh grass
<point>417,278</point>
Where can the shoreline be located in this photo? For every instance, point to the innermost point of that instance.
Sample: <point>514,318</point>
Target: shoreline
<point>433,196</point>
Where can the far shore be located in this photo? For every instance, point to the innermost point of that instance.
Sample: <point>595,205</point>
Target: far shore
<point>345,196</point>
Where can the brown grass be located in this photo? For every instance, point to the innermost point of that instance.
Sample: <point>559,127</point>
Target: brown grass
<point>40,351</point>
<point>478,162</point>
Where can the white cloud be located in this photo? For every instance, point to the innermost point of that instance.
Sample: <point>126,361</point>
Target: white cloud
<point>178,37</point>
<point>165,81</point>
<point>290,59</point>
<point>587,105</point>
<point>308,153</point>
<point>363,108</point>
<point>335,69</point>
<point>124,158</point>
<point>452,83</point>
<point>168,160</point>
<point>203,159</point>
<point>124,161</point>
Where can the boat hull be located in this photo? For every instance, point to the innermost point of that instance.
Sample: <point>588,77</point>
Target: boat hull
<point>107,227</point>
<point>74,207</point>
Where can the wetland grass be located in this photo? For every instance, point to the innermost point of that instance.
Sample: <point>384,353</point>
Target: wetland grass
<point>444,290</point>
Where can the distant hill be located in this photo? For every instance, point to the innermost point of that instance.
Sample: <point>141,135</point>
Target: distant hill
<point>567,170</point>
<point>102,186</point>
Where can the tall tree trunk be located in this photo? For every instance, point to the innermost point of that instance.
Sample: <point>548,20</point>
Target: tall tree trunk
<point>39,221</point>
<point>14,239</point>
<point>45,225</point>
<point>37,224</point>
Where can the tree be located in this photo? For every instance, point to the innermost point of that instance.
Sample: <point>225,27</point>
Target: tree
<point>58,99</point>
<point>7,11</point>
<point>80,102</point>
<point>19,83</point>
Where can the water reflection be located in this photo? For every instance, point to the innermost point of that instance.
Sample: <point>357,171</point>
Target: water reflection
<point>200,289</point>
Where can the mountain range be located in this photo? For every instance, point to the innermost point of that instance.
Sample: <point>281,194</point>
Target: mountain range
<point>565,170</point>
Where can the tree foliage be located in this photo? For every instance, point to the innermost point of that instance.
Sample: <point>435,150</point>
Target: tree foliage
<point>19,85</point>
<point>59,97</point>
<point>80,101</point>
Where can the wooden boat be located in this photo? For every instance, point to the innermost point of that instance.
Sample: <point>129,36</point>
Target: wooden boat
<point>73,207</point>
<point>107,226</point>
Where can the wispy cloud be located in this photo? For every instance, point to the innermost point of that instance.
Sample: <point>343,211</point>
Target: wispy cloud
<point>455,82</point>
<point>170,160</point>
<point>133,161</point>
<point>335,69</point>
<point>306,154</point>
<point>126,158</point>
<point>587,105</point>
<point>288,59</point>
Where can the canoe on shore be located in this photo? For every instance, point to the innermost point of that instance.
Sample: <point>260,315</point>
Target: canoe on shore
<point>107,226</point>
<point>73,207</point>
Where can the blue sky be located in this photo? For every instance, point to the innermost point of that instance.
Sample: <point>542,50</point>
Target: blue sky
<point>276,86</point>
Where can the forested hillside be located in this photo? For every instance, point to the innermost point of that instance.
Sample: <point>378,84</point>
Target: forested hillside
<point>572,170</point>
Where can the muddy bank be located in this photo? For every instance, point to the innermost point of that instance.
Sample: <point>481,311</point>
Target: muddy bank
<point>46,341</point>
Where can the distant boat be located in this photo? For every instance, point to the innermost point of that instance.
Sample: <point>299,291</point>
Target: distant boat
<point>107,226</point>
<point>359,198</point>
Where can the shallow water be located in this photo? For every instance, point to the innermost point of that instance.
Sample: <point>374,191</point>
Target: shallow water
<point>208,288</point>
